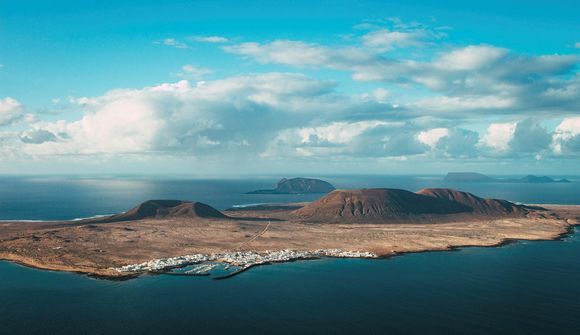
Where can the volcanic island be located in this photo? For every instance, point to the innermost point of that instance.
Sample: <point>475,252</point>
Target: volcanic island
<point>159,236</point>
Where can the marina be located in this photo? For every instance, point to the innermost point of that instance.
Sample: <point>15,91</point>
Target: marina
<point>233,263</point>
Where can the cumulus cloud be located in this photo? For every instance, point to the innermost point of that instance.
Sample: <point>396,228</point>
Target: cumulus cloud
<point>10,111</point>
<point>370,138</point>
<point>459,143</point>
<point>516,138</point>
<point>330,139</point>
<point>473,57</point>
<point>510,139</point>
<point>494,79</point>
<point>450,142</point>
<point>432,136</point>
<point>530,137</point>
<point>485,69</point>
<point>390,142</point>
<point>473,77</point>
<point>180,117</point>
<point>499,136</point>
<point>420,99</point>
<point>566,137</point>
<point>274,115</point>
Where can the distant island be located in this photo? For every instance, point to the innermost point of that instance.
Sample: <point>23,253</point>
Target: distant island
<point>185,238</point>
<point>298,186</point>
<point>537,179</point>
<point>474,177</point>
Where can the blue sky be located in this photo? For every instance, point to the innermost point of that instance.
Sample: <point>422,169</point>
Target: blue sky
<point>295,86</point>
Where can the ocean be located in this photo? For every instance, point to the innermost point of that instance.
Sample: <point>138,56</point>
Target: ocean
<point>520,288</point>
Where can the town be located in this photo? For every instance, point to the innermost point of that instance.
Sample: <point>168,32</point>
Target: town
<point>241,259</point>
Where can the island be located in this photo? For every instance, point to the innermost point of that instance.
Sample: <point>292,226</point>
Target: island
<point>538,179</point>
<point>474,177</point>
<point>191,238</point>
<point>298,186</point>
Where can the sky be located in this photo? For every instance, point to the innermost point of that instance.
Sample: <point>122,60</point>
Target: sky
<point>289,87</point>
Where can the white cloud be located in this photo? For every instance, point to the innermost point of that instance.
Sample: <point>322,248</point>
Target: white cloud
<point>338,132</point>
<point>370,138</point>
<point>10,111</point>
<point>189,71</point>
<point>525,137</point>
<point>330,139</point>
<point>179,117</point>
<point>450,142</point>
<point>566,137</point>
<point>432,136</point>
<point>208,39</point>
<point>474,77</point>
<point>301,54</point>
<point>433,92</point>
<point>461,104</point>
<point>385,39</point>
<point>499,136</point>
<point>172,42</point>
<point>381,94</point>
<point>473,57</point>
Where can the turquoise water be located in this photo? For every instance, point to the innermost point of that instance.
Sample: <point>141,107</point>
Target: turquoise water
<point>522,288</point>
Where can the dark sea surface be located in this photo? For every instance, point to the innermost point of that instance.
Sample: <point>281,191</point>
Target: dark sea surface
<point>522,288</point>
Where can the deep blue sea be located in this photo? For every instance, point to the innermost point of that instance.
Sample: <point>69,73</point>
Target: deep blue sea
<point>522,288</point>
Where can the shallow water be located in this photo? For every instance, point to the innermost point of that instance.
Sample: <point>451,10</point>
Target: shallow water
<point>522,288</point>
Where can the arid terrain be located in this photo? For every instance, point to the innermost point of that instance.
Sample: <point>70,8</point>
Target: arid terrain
<point>381,221</point>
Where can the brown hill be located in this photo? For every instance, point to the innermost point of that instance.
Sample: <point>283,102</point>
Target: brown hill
<point>372,205</point>
<point>158,209</point>
<point>493,207</point>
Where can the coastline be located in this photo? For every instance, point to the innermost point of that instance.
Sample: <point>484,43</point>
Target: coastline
<point>115,275</point>
<point>90,272</point>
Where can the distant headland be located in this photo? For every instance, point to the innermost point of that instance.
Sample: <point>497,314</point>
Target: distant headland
<point>475,177</point>
<point>298,186</point>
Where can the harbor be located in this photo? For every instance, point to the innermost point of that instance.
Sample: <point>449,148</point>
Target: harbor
<point>233,263</point>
